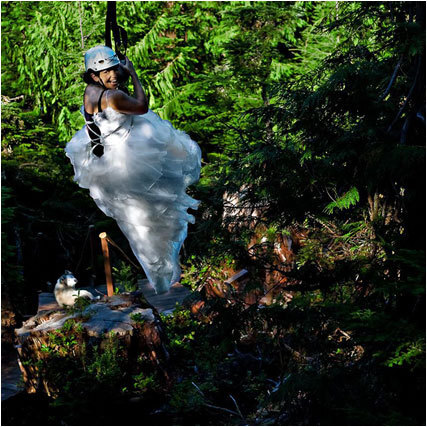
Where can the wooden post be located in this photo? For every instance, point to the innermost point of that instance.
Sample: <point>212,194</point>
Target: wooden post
<point>107,266</point>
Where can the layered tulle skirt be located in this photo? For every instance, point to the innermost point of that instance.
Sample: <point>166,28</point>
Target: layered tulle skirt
<point>141,182</point>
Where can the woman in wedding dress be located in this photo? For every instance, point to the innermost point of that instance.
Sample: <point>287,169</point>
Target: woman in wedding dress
<point>136,167</point>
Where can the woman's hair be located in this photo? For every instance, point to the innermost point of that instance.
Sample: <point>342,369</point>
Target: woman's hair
<point>87,78</point>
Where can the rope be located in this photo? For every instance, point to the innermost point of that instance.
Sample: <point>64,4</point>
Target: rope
<point>113,243</point>
<point>81,25</point>
<point>122,252</point>
<point>83,251</point>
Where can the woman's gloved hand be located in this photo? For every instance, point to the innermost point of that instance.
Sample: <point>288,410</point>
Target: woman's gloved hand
<point>127,67</point>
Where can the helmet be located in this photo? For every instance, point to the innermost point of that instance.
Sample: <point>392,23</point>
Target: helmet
<point>100,58</point>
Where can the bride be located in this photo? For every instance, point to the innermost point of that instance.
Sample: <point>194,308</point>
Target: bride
<point>136,166</point>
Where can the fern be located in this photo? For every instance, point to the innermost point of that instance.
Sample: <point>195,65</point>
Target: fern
<point>141,50</point>
<point>350,198</point>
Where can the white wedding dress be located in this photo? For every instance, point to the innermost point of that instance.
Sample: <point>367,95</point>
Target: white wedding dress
<point>140,181</point>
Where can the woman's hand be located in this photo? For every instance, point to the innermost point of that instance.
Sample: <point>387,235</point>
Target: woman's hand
<point>127,67</point>
<point>138,104</point>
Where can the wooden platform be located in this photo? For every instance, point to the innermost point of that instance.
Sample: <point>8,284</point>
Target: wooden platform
<point>163,302</point>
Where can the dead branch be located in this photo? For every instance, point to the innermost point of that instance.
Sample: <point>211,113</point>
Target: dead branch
<point>24,165</point>
<point>219,408</point>
<point>237,407</point>
<point>5,99</point>
<point>297,353</point>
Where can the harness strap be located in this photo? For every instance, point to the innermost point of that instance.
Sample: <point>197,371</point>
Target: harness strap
<point>93,130</point>
<point>119,33</point>
<point>99,101</point>
<point>110,5</point>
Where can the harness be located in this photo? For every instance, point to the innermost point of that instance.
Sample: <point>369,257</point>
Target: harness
<point>119,33</point>
<point>94,131</point>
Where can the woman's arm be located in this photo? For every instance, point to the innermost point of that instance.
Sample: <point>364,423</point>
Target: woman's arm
<point>138,104</point>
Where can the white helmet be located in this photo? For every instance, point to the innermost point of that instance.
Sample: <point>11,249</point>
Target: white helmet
<point>99,58</point>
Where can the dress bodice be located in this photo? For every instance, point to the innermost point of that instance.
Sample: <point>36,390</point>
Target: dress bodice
<point>110,119</point>
<point>112,124</point>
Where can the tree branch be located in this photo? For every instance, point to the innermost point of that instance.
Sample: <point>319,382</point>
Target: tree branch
<point>229,411</point>
<point>81,24</point>
<point>408,97</point>
<point>237,407</point>
<point>393,78</point>
<point>404,131</point>
<point>221,409</point>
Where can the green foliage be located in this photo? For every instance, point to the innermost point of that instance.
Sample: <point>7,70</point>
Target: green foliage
<point>126,277</point>
<point>66,349</point>
<point>79,307</point>
<point>350,198</point>
<point>185,397</point>
<point>143,382</point>
<point>180,329</point>
<point>64,341</point>
<point>200,269</point>
<point>138,318</point>
<point>42,57</point>
<point>407,352</point>
<point>106,366</point>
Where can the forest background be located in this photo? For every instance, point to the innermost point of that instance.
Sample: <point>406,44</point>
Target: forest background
<point>311,117</point>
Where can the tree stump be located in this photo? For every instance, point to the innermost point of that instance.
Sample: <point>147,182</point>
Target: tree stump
<point>57,334</point>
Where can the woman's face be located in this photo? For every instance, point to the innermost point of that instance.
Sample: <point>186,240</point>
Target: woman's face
<point>109,77</point>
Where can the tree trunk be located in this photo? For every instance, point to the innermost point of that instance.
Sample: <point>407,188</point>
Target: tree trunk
<point>137,331</point>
